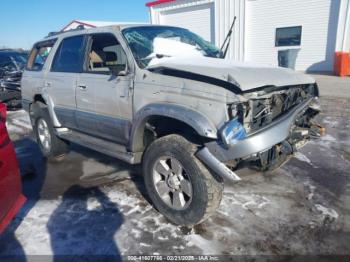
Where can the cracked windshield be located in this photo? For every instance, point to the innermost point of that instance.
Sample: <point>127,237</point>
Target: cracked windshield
<point>148,43</point>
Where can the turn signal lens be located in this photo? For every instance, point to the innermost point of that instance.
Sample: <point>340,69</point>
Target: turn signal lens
<point>233,132</point>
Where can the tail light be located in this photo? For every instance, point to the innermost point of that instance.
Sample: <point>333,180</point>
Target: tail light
<point>3,132</point>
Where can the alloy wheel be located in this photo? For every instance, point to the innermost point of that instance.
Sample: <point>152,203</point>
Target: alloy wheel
<point>44,134</point>
<point>172,183</point>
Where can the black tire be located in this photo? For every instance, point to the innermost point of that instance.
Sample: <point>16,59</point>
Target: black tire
<point>58,147</point>
<point>206,190</point>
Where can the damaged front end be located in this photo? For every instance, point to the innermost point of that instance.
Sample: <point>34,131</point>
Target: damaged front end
<point>268,127</point>
<point>265,106</point>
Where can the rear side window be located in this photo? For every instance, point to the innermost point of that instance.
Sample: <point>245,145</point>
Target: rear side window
<point>39,54</point>
<point>69,55</point>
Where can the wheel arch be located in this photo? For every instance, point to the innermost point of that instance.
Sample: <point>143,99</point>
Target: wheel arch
<point>47,101</point>
<point>170,112</point>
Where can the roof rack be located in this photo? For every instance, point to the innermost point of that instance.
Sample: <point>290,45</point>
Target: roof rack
<point>79,27</point>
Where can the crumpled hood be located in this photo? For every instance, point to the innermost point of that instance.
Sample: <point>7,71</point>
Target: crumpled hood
<point>244,75</point>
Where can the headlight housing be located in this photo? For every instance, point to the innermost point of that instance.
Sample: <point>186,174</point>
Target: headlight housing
<point>233,132</point>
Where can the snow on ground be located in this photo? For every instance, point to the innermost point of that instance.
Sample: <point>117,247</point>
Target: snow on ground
<point>89,203</point>
<point>18,124</point>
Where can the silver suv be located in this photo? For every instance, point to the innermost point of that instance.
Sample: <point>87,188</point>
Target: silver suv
<point>164,97</point>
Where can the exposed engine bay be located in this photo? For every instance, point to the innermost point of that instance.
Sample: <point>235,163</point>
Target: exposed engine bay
<point>266,106</point>
<point>263,107</point>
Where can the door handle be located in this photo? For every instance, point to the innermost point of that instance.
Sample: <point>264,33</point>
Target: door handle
<point>47,84</point>
<point>82,87</point>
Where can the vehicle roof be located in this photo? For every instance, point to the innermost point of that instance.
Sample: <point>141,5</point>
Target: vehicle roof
<point>97,29</point>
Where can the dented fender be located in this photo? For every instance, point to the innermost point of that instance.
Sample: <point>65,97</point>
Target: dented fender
<point>200,123</point>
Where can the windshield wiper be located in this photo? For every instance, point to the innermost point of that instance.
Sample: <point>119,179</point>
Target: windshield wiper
<point>226,44</point>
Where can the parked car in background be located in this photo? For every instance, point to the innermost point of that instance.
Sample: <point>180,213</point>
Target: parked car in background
<point>11,198</point>
<point>164,97</point>
<point>12,63</point>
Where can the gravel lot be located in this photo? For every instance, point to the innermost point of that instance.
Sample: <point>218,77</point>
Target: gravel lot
<point>93,204</point>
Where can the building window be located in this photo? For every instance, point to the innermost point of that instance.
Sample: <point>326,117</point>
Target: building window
<point>288,36</point>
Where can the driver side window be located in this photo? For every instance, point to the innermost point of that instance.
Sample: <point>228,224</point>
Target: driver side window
<point>105,55</point>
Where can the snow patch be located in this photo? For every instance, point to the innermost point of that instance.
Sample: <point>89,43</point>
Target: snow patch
<point>22,122</point>
<point>247,201</point>
<point>327,211</point>
<point>14,129</point>
<point>136,233</point>
<point>208,247</point>
<point>303,158</point>
<point>328,138</point>
<point>311,189</point>
<point>163,238</point>
<point>328,121</point>
<point>93,204</point>
<point>134,209</point>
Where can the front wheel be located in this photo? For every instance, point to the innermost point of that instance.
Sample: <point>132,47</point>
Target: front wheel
<point>178,184</point>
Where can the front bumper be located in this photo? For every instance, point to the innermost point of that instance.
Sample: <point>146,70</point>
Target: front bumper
<point>215,153</point>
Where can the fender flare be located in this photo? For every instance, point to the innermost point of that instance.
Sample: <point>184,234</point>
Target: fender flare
<point>200,123</point>
<point>50,107</point>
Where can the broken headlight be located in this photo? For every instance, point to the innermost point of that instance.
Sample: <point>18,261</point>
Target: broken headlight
<point>233,132</point>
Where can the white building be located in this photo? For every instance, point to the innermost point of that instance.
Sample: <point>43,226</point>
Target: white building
<point>316,28</point>
<point>86,24</point>
<point>90,24</point>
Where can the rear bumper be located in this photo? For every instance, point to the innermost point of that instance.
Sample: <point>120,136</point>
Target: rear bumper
<point>215,153</point>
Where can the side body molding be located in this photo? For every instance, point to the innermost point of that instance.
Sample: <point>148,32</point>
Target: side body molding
<point>200,123</point>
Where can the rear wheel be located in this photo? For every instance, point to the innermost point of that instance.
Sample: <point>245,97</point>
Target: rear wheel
<point>50,144</point>
<point>178,184</point>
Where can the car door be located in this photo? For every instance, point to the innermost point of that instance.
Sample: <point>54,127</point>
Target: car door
<point>104,89</point>
<point>61,80</point>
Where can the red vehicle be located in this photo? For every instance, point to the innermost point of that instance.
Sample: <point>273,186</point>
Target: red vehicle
<point>11,198</point>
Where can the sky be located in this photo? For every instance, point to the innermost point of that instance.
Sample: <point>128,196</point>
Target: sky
<point>23,22</point>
